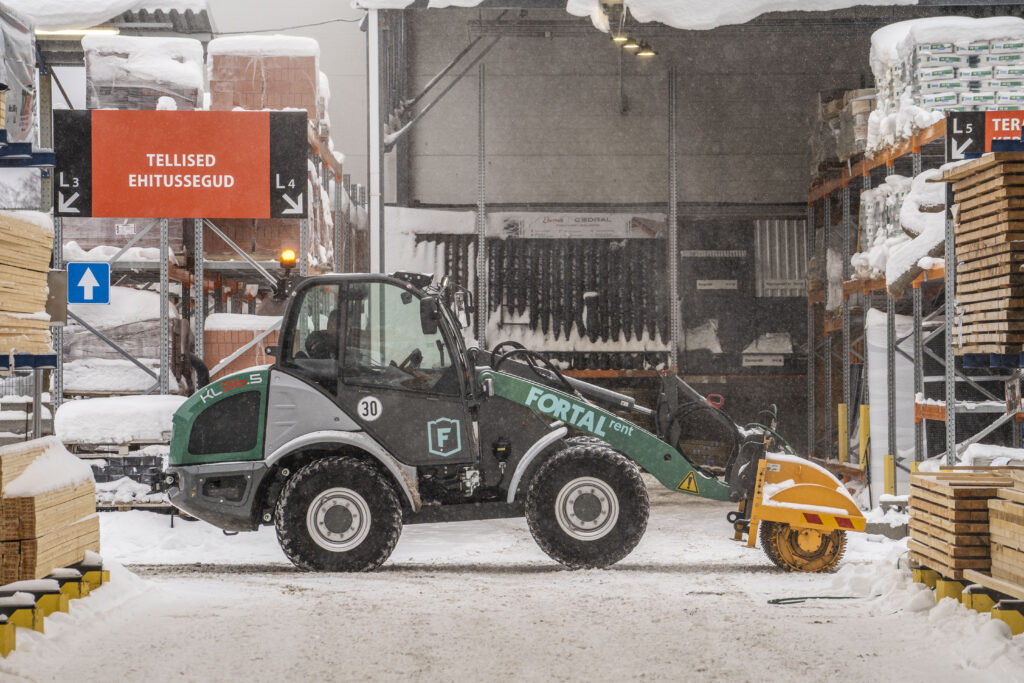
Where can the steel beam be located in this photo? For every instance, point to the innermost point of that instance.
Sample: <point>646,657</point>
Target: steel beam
<point>890,361</point>
<point>165,323</point>
<point>199,289</point>
<point>811,388</point>
<point>57,331</point>
<point>482,307</point>
<point>919,453</point>
<point>675,323</point>
<point>375,142</point>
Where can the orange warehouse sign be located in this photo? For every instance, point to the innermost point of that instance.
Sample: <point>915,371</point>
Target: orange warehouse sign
<point>188,164</point>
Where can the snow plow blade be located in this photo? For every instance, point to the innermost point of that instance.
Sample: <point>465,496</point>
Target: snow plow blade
<point>797,492</point>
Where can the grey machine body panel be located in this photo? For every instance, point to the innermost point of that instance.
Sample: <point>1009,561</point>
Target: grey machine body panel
<point>295,408</point>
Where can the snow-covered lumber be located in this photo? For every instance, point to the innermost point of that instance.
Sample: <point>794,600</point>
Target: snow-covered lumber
<point>47,512</point>
<point>26,240</point>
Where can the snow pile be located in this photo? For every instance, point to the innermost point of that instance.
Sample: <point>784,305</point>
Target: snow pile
<point>126,490</point>
<point>54,469</point>
<point>834,278</point>
<point>922,214</point>
<point>144,61</point>
<point>978,455</point>
<point>241,321</point>
<point>771,342</point>
<point>925,67</point>
<point>265,46</point>
<point>36,218</point>
<point>880,226</point>
<point>89,375</point>
<point>891,516</point>
<point>74,252</point>
<point>116,420</point>
<point>127,305</point>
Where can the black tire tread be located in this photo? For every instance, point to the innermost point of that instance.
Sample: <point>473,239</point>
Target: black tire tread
<point>579,456</point>
<point>770,544</point>
<point>390,524</point>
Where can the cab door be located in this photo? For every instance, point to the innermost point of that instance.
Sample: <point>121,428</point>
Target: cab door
<point>399,381</point>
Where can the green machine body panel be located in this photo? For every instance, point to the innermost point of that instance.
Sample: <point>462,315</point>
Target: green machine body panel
<point>230,412</point>
<point>661,460</point>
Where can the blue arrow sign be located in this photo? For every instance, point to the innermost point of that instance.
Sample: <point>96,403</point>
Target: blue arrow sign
<point>88,283</point>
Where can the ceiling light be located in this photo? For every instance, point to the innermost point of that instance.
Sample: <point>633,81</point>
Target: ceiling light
<point>646,51</point>
<point>630,44</point>
<point>620,37</point>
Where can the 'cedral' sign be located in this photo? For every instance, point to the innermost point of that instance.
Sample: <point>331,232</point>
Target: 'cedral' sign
<point>180,164</point>
<point>972,132</point>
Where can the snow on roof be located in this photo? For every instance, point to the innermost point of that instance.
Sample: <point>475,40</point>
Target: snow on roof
<point>54,15</point>
<point>891,44</point>
<point>265,46</point>
<point>694,14</point>
<point>116,420</point>
<point>55,468</point>
<point>144,59</point>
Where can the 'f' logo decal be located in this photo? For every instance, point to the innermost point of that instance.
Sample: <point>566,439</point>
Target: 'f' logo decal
<point>444,437</point>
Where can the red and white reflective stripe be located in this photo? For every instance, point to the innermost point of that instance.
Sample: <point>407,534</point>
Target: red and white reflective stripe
<point>841,522</point>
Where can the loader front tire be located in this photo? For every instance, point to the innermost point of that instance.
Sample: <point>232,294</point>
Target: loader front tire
<point>802,550</point>
<point>587,506</point>
<point>338,514</point>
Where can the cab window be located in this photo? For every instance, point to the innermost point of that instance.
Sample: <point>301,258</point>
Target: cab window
<point>312,346</point>
<point>385,344</point>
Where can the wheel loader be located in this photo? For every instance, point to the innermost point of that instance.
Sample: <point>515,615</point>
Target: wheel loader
<point>375,414</point>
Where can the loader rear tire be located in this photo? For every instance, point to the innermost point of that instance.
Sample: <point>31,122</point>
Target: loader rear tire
<point>587,506</point>
<point>338,514</point>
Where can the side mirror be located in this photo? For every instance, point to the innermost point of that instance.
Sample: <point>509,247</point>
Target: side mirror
<point>428,315</point>
<point>271,351</point>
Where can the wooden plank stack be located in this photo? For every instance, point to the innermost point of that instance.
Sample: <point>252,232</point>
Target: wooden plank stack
<point>989,234</point>
<point>949,519</point>
<point>1006,526</point>
<point>25,249</point>
<point>48,530</point>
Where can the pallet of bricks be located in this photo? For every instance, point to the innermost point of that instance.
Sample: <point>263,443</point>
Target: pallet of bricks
<point>26,242</point>
<point>989,237</point>
<point>47,510</point>
<point>949,519</point>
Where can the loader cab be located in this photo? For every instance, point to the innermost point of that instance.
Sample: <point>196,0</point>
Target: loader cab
<point>390,354</point>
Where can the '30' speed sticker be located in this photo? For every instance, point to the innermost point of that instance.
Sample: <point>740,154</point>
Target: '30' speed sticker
<point>369,408</point>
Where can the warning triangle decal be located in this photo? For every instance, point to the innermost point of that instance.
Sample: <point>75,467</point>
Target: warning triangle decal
<point>689,484</point>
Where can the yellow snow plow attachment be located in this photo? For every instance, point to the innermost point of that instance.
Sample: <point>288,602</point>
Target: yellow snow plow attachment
<point>803,514</point>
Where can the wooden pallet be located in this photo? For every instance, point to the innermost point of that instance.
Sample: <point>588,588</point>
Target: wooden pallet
<point>949,519</point>
<point>25,250</point>
<point>36,558</point>
<point>16,458</point>
<point>1006,524</point>
<point>34,516</point>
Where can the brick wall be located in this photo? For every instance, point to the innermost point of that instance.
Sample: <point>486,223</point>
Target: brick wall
<point>219,344</point>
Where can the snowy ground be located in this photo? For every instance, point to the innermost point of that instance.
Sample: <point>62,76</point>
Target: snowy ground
<point>479,601</point>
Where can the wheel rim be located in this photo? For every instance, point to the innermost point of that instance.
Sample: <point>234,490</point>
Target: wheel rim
<point>338,519</point>
<point>587,508</point>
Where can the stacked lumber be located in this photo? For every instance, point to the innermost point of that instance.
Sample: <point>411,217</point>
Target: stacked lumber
<point>25,248</point>
<point>1006,528</point>
<point>989,235</point>
<point>47,510</point>
<point>949,519</point>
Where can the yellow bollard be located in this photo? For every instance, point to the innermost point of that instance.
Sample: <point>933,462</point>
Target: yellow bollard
<point>926,576</point>
<point>844,433</point>
<point>865,435</point>
<point>7,639</point>
<point>1010,611</point>
<point>947,588</point>
<point>890,475</point>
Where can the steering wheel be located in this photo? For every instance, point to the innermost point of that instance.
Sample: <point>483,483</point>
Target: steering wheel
<point>411,363</point>
<point>547,373</point>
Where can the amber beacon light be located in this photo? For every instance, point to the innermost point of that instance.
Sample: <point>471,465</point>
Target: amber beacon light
<point>288,257</point>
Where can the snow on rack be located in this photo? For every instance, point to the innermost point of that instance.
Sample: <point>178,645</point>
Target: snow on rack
<point>265,46</point>
<point>116,420</point>
<point>240,321</point>
<point>127,305</point>
<point>54,469</point>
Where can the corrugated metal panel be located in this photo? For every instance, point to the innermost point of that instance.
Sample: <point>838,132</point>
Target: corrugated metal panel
<point>780,258</point>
